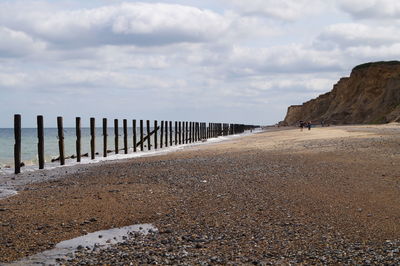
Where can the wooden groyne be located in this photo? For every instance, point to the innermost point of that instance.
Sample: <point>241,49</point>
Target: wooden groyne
<point>171,133</point>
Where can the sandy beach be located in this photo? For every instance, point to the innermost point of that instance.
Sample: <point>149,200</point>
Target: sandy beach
<point>328,195</point>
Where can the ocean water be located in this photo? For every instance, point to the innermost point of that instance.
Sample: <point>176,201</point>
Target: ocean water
<point>29,142</point>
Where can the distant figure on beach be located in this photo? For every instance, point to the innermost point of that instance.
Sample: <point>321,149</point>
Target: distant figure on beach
<point>301,125</point>
<point>322,123</point>
<point>309,125</point>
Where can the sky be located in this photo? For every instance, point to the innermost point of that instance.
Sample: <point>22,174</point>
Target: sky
<point>232,61</point>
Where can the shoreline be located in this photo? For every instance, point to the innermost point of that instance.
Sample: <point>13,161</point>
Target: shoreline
<point>29,175</point>
<point>298,197</point>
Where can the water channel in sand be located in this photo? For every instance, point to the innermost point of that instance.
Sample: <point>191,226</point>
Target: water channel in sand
<point>100,239</point>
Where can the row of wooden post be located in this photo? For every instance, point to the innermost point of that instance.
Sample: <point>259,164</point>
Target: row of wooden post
<point>185,132</point>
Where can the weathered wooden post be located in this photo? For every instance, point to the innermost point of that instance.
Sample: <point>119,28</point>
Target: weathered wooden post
<point>180,132</point>
<point>176,132</point>
<point>166,133</point>
<point>17,145</point>
<point>155,135</point>
<point>141,135</point>
<point>116,146</point>
<point>104,137</point>
<point>78,138</point>
<point>170,133</point>
<point>193,132</point>
<point>183,132</point>
<point>61,139</point>
<point>40,133</point>
<point>92,138</point>
<point>125,126</point>
<point>134,134</point>
<point>198,131</point>
<point>148,135</point>
<point>162,134</point>
<point>186,132</point>
<point>190,132</point>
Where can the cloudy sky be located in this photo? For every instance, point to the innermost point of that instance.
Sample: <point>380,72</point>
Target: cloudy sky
<point>206,60</point>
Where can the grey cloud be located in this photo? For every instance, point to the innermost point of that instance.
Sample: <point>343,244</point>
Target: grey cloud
<point>125,24</point>
<point>355,34</point>
<point>372,9</point>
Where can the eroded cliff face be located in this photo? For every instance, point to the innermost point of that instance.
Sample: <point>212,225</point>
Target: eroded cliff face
<point>370,95</point>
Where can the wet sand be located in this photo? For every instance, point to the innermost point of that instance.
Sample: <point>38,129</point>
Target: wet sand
<point>329,195</point>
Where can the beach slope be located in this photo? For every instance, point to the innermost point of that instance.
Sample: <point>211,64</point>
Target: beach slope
<point>328,195</point>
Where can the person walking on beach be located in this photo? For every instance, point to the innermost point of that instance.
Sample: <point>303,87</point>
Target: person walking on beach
<point>301,125</point>
<point>309,125</point>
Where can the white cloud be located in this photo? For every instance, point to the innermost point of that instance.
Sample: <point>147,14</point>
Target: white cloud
<point>284,59</point>
<point>18,43</point>
<point>288,10</point>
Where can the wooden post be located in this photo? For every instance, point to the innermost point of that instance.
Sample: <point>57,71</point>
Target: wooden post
<point>104,137</point>
<point>134,134</point>
<point>193,132</point>
<point>17,145</point>
<point>141,135</point>
<point>197,131</point>
<point>92,139</point>
<point>184,132</point>
<point>180,132</point>
<point>170,133</point>
<point>190,132</point>
<point>125,126</point>
<point>78,138</point>
<point>162,134</point>
<point>61,139</point>
<point>176,133</point>
<point>40,133</point>
<point>166,133</point>
<point>116,136</point>
<point>148,134</point>
<point>155,134</point>
<point>200,132</point>
<point>187,132</point>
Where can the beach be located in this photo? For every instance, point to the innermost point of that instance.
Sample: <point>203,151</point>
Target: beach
<point>329,195</point>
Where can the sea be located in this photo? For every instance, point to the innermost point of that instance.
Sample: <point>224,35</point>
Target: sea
<point>29,140</point>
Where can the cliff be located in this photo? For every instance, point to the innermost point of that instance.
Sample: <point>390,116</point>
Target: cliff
<point>370,95</point>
